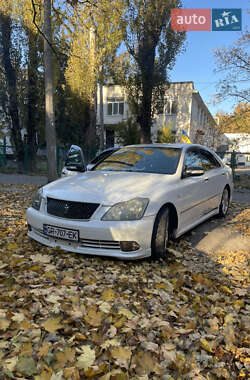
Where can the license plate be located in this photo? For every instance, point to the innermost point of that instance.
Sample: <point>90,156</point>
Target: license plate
<point>61,233</point>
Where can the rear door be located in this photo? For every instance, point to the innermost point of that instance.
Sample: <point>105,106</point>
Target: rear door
<point>194,191</point>
<point>213,178</point>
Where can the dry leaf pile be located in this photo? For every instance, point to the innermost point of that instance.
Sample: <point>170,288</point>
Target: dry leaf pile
<point>68,316</point>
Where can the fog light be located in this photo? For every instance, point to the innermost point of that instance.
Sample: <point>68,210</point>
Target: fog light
<point>128,246</point>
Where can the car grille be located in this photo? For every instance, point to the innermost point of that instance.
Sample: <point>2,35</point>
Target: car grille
<point>99,244</point>
<point>70,210</point>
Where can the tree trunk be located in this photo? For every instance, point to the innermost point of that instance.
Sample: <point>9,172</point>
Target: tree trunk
<point>91,133</point>
<point>33,99</point>
<point>49,94</point>
<point>146,62</point>
<point>10,75</point>
<point>145,114</point>
<point>101,117</point>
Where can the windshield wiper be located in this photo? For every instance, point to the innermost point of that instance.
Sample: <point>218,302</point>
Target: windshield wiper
<point>118,162</point>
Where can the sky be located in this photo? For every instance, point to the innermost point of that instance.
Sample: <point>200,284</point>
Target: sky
<point>197,63</point>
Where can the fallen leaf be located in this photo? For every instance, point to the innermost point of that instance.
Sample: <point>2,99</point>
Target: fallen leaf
<point>93,317</point>
<point>108,295</point>
<point>52,324</point>
<point>26,366</point>
<point>87,358</point>
<point>121,353</point>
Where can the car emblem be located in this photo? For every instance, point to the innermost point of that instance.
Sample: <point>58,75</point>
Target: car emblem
<point>66,209</point>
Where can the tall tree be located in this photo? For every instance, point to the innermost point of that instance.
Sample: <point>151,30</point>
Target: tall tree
<point>237,122</point>
<point>33,97</point>
<point>49,94</point>
<point>11,81</point>
<point>153,46</point>
<point>97,35</point>
<point>234,64</point>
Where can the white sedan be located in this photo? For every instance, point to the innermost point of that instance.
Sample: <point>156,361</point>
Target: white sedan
<point>131,204</point>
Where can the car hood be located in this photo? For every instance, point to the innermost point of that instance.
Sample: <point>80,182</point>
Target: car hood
<point>106,187</point>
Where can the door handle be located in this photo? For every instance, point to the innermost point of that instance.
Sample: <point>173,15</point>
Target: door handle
<point>205,179</point>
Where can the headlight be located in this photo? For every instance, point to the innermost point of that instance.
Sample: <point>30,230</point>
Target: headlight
<point>130,210</point>
<point>37,199</point>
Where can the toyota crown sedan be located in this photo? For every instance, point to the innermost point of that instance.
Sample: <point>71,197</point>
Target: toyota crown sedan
<point>130,204</point>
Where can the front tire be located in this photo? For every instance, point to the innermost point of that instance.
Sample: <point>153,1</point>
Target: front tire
<point>160,235</point>
<point>224,203</point>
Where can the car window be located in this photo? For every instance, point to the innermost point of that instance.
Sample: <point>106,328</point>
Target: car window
<point>142,159</point>
<point>192,160</point>
<point>100,157</point>
<point>208,160</point>
<point>198,158</point>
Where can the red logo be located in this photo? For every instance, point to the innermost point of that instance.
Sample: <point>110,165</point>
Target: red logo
<point>190,19</point>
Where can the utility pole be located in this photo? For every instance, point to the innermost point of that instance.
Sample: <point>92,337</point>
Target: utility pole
<point>50,131</point>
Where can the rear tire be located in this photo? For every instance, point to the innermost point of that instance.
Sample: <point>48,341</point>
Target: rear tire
<point>160,235</point>
<point>224,203</point>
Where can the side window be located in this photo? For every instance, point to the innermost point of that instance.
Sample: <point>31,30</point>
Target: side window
<point>192,160</point>
<point>208,161</point>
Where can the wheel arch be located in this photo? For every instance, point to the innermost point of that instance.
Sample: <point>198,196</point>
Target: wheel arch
<point>229,190</point>
<point>173,217</point>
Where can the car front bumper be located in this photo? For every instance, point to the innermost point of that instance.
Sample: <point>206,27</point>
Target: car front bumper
<point>96,237</point>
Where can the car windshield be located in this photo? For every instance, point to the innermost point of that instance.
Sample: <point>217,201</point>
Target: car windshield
<point>142,159</point>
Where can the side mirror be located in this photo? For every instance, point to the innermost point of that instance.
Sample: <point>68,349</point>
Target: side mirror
<point>75,159</point>
<point>193,172</point>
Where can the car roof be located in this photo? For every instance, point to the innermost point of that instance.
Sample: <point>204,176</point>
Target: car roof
<point>160,145</point>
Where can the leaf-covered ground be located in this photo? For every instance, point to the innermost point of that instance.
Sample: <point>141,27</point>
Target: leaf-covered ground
<point>68,316</point>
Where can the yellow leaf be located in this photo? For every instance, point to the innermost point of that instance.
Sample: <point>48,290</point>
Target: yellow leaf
<point>206,345</point>
<point>10,363</point>
<point>52,324</point>
<point>229,318</point>
<point>61,360</point>
<point>25,325</point>
<point>120,322</point>
<point>121,353</point>
<point>12,246</point>
<point>108,295</point>
<point>93,317</point>
<point>126,313</point>
<point>44,349</point>
<point>87,358</point>
<point>105,307</point>
<point>35,268</point>
<point>4,324</point>
<point>18,317</point>
<point>71,373</point>
<point>144,363</point>
<point>161,285</point>
<point>50,275</point>
<point>110,342</point>
<point>93,372</point>
<point>27,349</point>
<point>43,376</point>
<point>225,289</point>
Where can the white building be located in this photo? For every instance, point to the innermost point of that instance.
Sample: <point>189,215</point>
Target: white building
<point>183,109</point>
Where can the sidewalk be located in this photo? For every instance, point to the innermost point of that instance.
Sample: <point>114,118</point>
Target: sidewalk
<point>239,196</point>
<point>17,179</point>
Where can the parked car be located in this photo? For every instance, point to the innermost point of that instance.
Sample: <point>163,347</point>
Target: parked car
<point>241,160</point>
<point>130,204</point>
<point>70,169</point>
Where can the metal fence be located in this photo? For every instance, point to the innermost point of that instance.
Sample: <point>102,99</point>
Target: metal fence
<point>35,159</point>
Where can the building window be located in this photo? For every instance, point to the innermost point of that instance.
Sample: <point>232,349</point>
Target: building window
<point>171,107</point>
<point>115,106</point>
